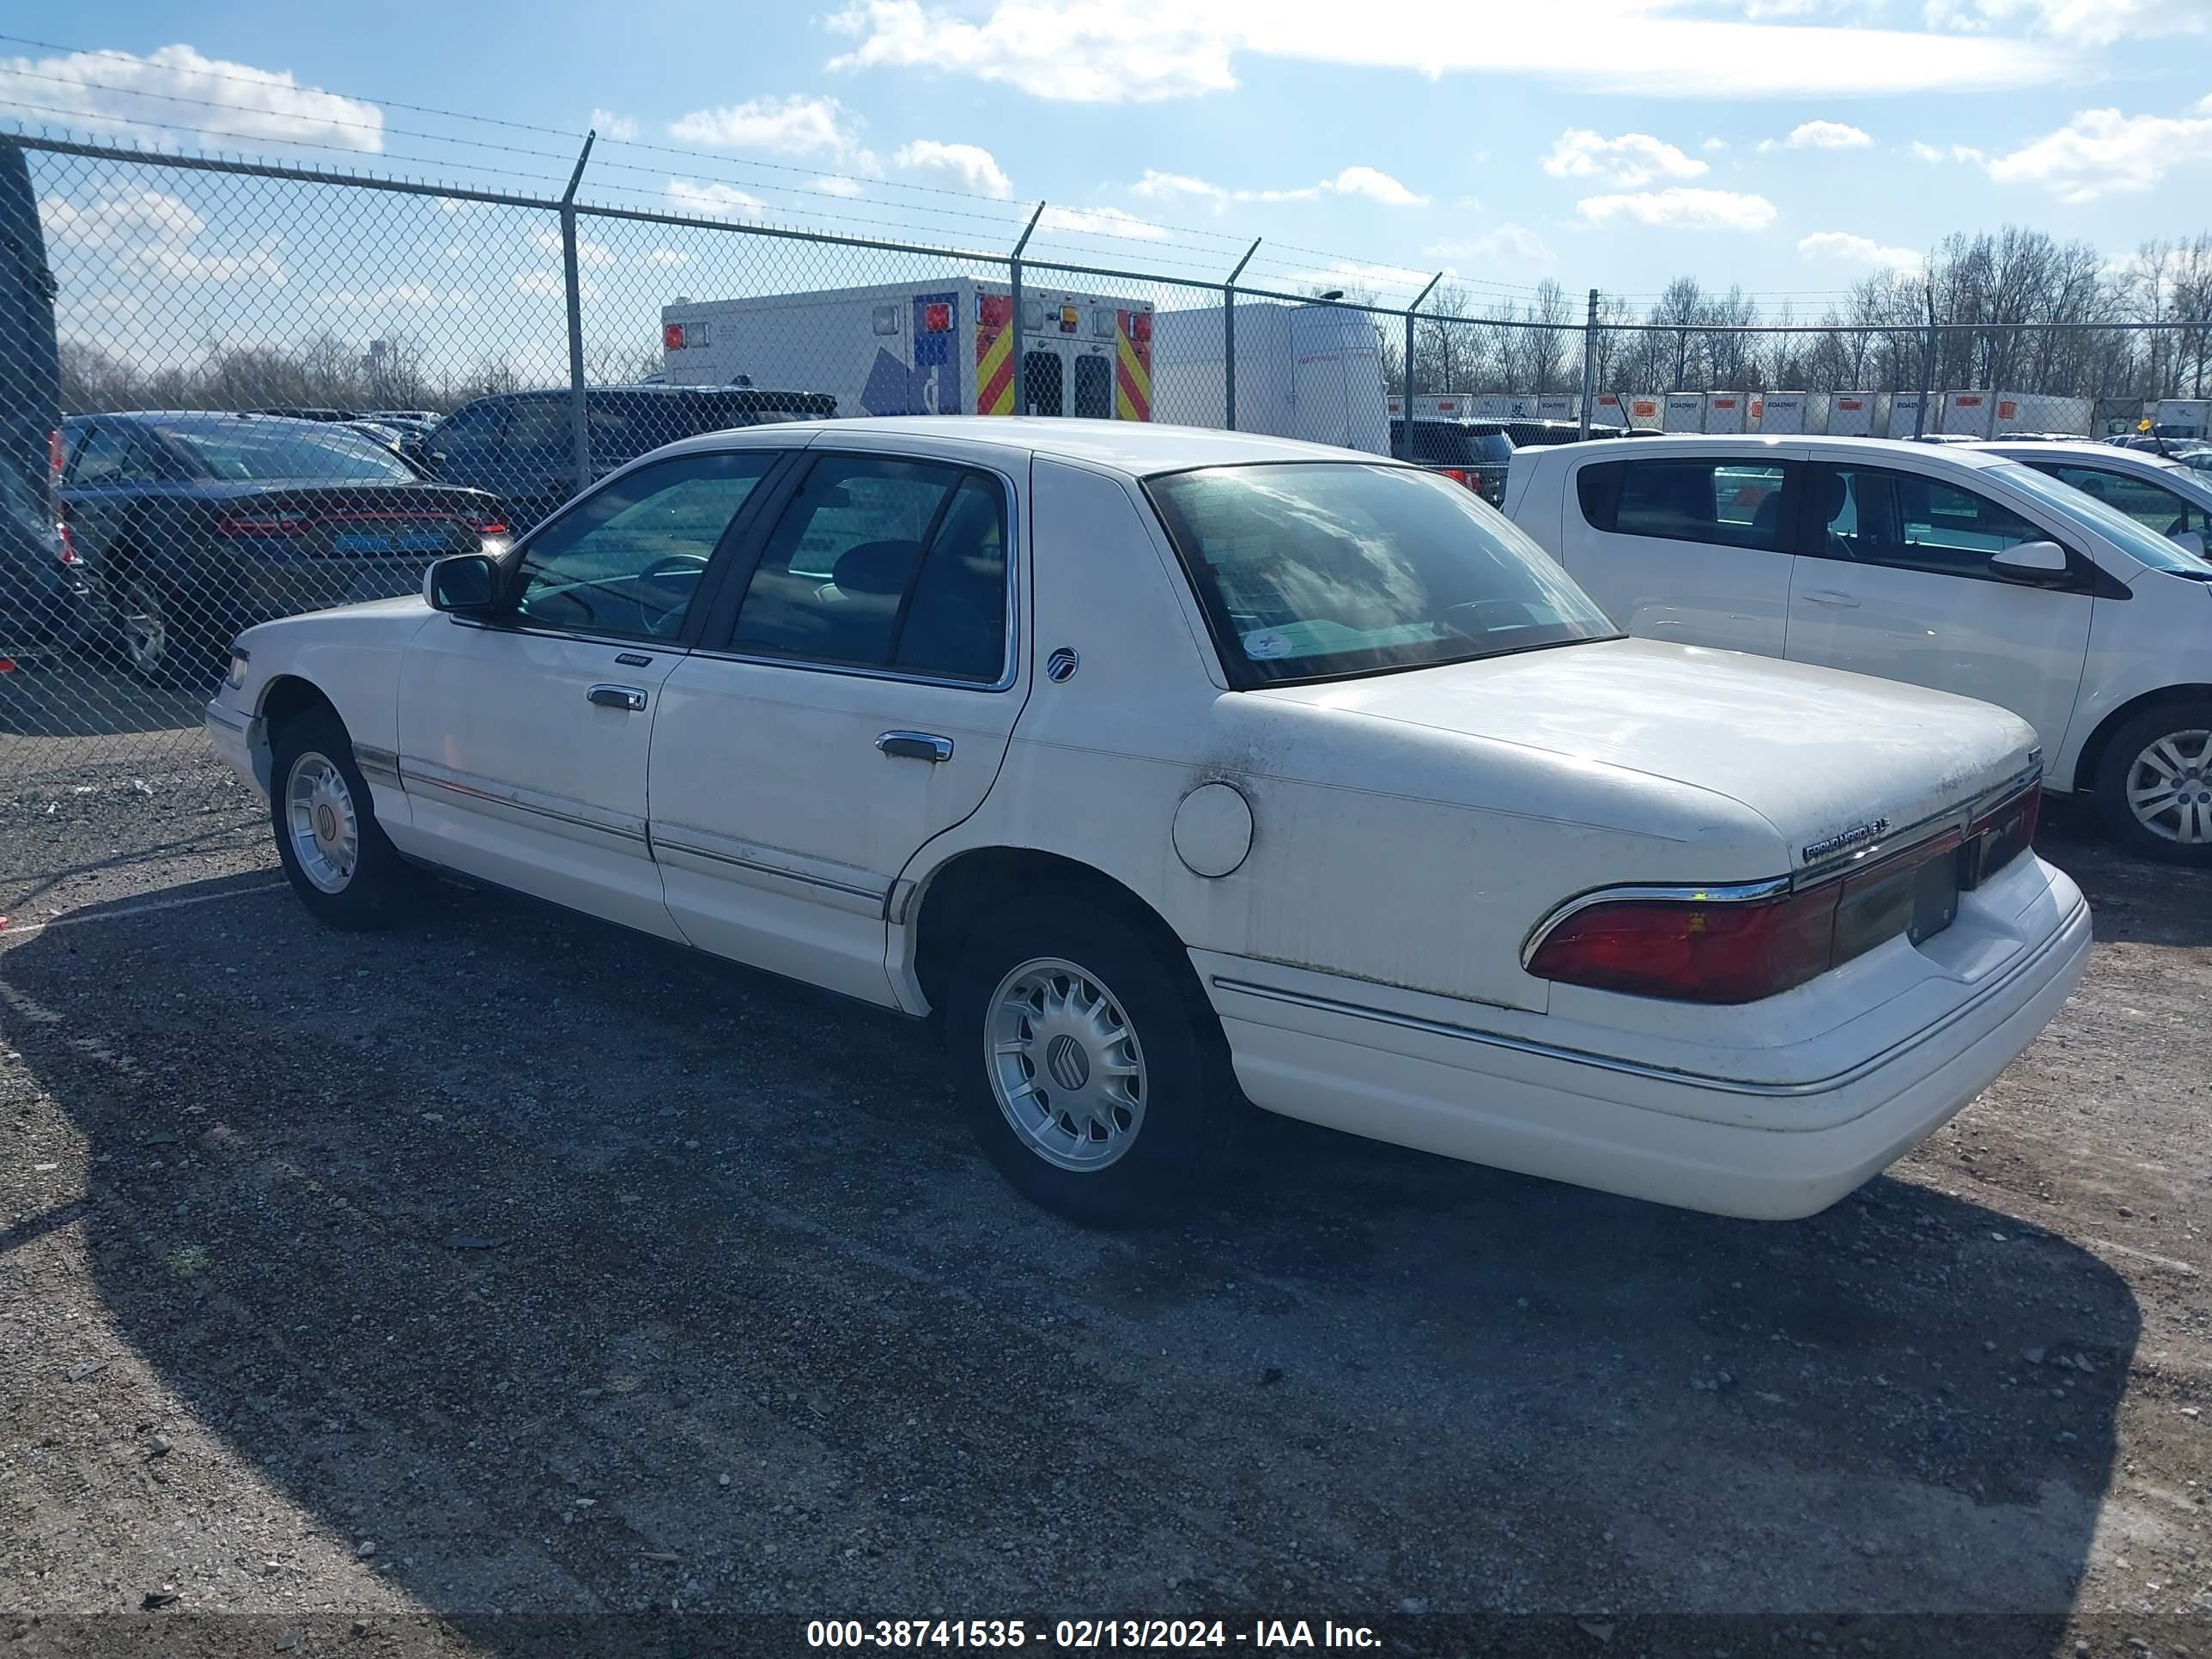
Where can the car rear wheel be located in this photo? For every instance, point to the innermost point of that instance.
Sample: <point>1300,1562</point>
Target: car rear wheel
<point>1079,1053</point>
<point>336,857</point>
<point>2154,783</point>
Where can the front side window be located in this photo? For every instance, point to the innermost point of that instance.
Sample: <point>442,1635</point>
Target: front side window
<point>242,451</point>
<point>2070,506</point>
<point>627,559</point>
<point>107,456</point>
<point>1908,521</point>
<point>1716,501</point>
<point>1318,570</point>
<point>536,427</point>
<point>888,564</point>
<point>2150,504</point>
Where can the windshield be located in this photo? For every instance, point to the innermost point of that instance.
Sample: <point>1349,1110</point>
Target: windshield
<point>2087,513</point>
<point>250,452</point>
<point>1314,570</point>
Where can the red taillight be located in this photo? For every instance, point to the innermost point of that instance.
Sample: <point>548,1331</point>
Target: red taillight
<point>671,337</point>
<point>1459,476</point>
<point>2003,833</point>
<point>54,453</point>
<point>6,665</point>
<point>1722,948</point>
<point>1140,325</point>
<point>1737,951</point>
<point>492,527</point>
<point>69,556</point>
<point>994,310</point>
<point>936,319</point>
<point>279,524</point>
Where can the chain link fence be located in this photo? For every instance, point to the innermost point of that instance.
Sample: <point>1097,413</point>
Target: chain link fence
<point>277,389</point>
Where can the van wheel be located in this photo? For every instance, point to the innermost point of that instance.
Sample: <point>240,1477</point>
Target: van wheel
<point>335,855</point>
<point>2153,783</point>
<point>1078,1053</point>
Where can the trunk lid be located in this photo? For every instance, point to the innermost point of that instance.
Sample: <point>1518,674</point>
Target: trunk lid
<point>1818,754</point>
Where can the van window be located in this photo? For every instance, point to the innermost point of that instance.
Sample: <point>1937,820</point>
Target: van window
<point>1094,389</point>
<point>1718,501</point>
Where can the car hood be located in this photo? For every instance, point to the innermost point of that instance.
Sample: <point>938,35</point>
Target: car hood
<point>1813,753</point>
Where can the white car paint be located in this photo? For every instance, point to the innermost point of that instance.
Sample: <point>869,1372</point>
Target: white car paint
<point>1410,831</point>
<point>2071,663</point>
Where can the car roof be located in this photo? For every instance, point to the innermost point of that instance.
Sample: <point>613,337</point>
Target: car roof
<point>2079,449</point>
<point>1750,443</point>
<point>1139,448</point>
<point>192,418</point>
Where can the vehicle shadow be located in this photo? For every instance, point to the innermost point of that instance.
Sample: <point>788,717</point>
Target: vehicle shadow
<point>2132,900</point>
<point>586,1276</point>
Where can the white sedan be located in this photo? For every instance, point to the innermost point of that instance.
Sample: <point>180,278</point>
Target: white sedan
<point>1159,766</point>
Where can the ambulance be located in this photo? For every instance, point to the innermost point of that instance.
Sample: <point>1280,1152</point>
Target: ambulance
<point>930,348</point>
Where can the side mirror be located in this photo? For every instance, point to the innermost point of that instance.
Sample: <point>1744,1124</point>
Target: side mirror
<point>2030,560</point>
<point>467,584</point>
<point>2191,541</point>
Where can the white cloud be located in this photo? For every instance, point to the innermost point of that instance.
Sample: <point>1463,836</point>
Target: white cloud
<point>1856,249</point>
<point>120,218</point>
<point>2078,22</point>
<point>837,184</point>
<point>957,166</point>
<point>548,285</point>
<point>1140,50</point>
<point>1632,159</point>
<point>1712,145</point>
<point>713,201</point>
<point>1101,222</point>
<point>2101,152</point>
<point>1681,209</point>
<point>667,256</point>
<point>796,125</point>
<point>177,90</point>
<point>1370,182</point>
<point>1926,152</point>
<point>420,295</point>
<point>184,264</point>
<point>588,252</point>
<point>608,124</point>
<point>1825,135</point>
<point>1510,245</point>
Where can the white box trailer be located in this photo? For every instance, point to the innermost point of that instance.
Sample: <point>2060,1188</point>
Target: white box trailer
<point>1779,411</point>
<point>1504,406</point>
<point>1851,415</point>
<point>1555,406</point>
<point>1904,406</point>
<point>932,348</point>
<point>1647,413</point>
<point>1684,412</point>
<point>2038,411</point>
<point>1427,406</point>
<point>1724,410</point>
<point>1312,371</point>
<point>2183,417</point>
<point>1967,414</point>
<point>1607,410</point>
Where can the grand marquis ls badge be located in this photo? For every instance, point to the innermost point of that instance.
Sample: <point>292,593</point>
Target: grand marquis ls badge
<point>1856,836</point>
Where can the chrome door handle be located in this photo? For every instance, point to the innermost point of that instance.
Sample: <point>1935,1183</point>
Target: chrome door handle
<point>915,745</point>
<point>617,696</point>
<point>1829,596</point>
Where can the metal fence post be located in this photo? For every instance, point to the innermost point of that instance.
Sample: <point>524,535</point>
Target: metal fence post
<point>1229,338</point>
<point>1405,399</point>
<point>1014,313</point>
<point>1589,363</point>
<point>1927,371</point>
<point>579,426</point>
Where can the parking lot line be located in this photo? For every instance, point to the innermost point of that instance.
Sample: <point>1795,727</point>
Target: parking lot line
<point>24,929</point>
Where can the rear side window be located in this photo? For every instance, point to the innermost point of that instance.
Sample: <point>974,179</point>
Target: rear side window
<point>1715,501</point>
<point>884,563</point>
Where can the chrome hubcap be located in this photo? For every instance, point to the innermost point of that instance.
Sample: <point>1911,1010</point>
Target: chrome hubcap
<point>2169,787</point>
<point>319,818</point>
<point>1065,1065</point>
<point>145,632</point>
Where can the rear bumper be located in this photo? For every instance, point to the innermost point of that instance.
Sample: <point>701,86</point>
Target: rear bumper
<point>1620,1128</point>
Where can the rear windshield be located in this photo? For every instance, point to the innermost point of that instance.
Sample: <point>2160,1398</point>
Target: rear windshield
<point>1447,443</point>
<point>250,451</point>
<point>1321,570</point>
<point>2086,511</point>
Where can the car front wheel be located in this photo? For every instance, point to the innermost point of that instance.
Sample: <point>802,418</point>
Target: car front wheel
<point>335,855</point>
<point>1079,1049</point>
<point>2154,783</point>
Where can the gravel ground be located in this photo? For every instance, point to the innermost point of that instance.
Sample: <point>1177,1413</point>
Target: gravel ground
<point>442,1292</point>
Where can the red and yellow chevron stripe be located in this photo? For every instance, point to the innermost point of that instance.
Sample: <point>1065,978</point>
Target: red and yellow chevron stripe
<point>1133,366</point>
<point>995,358</point>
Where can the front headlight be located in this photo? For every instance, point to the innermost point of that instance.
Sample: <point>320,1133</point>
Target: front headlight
<point>236,678</point>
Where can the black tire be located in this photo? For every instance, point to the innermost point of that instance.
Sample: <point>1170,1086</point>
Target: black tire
<point>159,639</point>
<point>1176,1038</point>
<point>2186,722</point>
<point>380,887</point>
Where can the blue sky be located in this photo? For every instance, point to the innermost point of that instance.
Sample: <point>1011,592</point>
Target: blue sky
<point>1792,146</point>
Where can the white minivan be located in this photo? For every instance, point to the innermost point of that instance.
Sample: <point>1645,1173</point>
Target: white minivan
<point>1946,567</point>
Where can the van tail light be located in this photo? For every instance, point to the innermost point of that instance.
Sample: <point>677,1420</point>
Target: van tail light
<point>1459,476</point>
<point>54,453</point>
<point>70,556</point>
<point>671,337</point>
